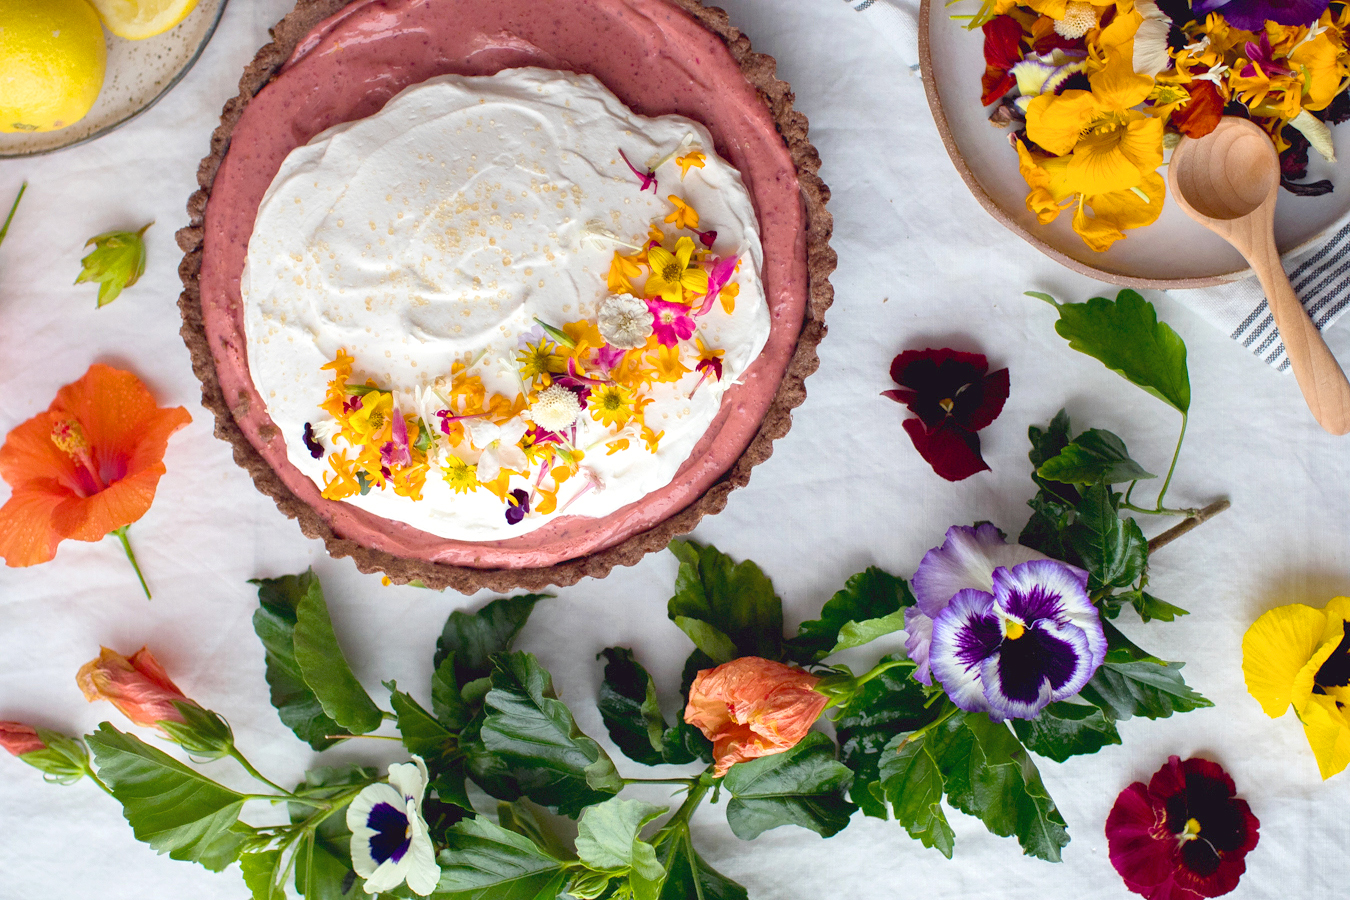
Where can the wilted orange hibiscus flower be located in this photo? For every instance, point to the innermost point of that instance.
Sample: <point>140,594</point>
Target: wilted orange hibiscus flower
<point>86,468</point>
<point>752,707</point>
<point>138,686</point>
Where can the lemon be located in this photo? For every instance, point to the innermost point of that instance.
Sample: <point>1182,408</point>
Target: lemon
<point>137,19</point>
<point>52,61</point>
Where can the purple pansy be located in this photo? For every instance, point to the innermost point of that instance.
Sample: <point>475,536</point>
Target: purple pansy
<point>1252,15</point>
<point>967,559</point>
<point>1036,639</point>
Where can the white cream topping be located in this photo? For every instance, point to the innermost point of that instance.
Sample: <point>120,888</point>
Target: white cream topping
<point>437,230</point>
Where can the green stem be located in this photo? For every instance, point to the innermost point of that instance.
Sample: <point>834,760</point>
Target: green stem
<point>951,711</point>
<point>248,767</point>
<point>1172,468</point>
<point>697,791</point>
<point>12,210</point>
<point>131,555</point>
<point>1160,511</point>
<point>99,781</point>
<point>689,782</point>
<point>882,667</point>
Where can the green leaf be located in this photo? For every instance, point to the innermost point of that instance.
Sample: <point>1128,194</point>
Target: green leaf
<point>892,703</point>
<point>608,838</point>
<point>1063,730</point>
<point>446,701</point>
<point>632,715</point>
<point>1150,607</point>
<point>1113,550</point>
<point>803,786</point>
<point>261,870</point>
<point>736,600</point>
<point>4,230</point>
<point>871,604</point>
<point>474,637</point>
<point>484,861</point>
<point>424,736</point>
<point>1126,336</point>
<point>116,262</point>
<point>1142,688</point>
<point>325,669</point>
<point>689,877</point>
<point>274,623</point>
<point>990,775</point>
<point>912,781</point>
<point>1094,457</point>
<point>171,807</point>
<point>707,638</point>
<point>534,735</point>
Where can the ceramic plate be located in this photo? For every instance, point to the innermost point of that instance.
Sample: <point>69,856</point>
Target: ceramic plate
<point>139,73</point>
<point>1173,252</point>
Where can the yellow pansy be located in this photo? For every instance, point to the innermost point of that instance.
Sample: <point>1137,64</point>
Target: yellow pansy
<point>672,275</point>
<point>1299,656</point>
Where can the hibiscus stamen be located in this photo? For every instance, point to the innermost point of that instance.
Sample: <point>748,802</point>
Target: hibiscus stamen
<point>69,437</point>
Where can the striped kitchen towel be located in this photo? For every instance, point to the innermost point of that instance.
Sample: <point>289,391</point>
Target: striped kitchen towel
<point>1321,279</point>
<point>1320,275</point>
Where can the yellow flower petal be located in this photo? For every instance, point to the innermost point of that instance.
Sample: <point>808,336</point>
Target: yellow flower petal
<point>684,249</point>
<point>1328,732</point>
<point>1055,122</point>
<point>1118,86</point>
<point>1098,166</point>
<point>1276,649</point>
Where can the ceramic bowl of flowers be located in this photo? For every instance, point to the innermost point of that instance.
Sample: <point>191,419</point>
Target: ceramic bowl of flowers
<point>1060,116</point>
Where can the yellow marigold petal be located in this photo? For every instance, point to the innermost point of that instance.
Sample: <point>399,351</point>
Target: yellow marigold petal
<point>1328,732</point>
<point>1276,649</point>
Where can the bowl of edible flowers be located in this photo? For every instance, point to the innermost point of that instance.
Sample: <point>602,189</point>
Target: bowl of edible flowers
<point>1061,114</point>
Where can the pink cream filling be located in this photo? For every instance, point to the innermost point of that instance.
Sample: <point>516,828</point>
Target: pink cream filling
<point>657,60</point>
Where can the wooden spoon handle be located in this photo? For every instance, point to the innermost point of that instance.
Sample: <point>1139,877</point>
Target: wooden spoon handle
<point>1324,385</point>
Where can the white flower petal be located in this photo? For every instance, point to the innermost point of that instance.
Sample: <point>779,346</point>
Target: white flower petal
<point>966,559</point>
<point>482,431</point>
<point>358,821</point>
<point>410,778</point>
<point>422,872</point>
<point>489,466</point>
<point>509,456</point>
<point>1317,132</point>
<point>513,430</point>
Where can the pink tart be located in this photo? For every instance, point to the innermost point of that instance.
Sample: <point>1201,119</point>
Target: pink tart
<point>313,102</point>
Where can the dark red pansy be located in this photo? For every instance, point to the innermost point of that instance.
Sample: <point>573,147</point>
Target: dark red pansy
<point>954,395</point>
<point>1002,51</point>
<point>1184,835</point>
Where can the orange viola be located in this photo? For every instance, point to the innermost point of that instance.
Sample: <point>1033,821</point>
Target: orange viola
<point>752,707</point>
<point>86,468</point>
<point>138,686</point>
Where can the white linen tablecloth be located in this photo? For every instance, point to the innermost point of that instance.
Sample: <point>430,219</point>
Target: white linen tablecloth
<point>920,264</point>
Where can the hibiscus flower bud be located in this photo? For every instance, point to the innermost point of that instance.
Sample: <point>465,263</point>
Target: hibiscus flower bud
<point>752,707</point>
<point>19,739</point>
<point>142,691</point>
<point>61,759</point>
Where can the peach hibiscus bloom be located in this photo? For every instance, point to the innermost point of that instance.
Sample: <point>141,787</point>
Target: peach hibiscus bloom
<point>86,468</point>
<point>19,738</point>
<point>138,686</point>
<point>752,707</point>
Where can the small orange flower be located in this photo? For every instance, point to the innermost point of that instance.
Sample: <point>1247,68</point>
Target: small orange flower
<point>139,687</point>
<point>19,739</point>
<point>86,468</point>
<point>752,707</point>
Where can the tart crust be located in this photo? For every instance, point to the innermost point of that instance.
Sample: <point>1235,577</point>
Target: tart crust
<point>758,70</point>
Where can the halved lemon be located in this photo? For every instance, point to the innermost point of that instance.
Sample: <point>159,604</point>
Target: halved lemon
<point>138,19</point>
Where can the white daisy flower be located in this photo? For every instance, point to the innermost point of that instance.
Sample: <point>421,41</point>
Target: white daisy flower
<point>625,322</point>
<point>390,843</point>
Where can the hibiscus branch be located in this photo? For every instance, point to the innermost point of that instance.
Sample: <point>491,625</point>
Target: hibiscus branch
<point>1176,531</point>
<point>248,767</point>
<point>131,555</point>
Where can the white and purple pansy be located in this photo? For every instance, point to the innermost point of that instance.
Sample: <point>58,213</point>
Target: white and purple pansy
<point>390,843</point>
<point>967,559</point>
<point>1035,639</point>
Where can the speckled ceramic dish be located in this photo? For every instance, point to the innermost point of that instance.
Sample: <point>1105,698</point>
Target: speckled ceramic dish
<point>139,73</point>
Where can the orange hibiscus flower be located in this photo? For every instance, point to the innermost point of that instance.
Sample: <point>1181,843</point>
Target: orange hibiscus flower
<point>86,468</point>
